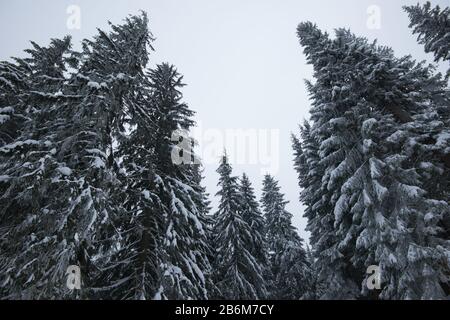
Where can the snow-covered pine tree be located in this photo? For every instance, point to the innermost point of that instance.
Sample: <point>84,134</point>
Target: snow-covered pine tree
<point>368,121</point>
<point>317,208</point>
<point>252,215</point>
<point>185,264</point>
<point>307,165</point>
<point>68,180</point>
<point>288,261</point>
<point>110,70</point>
<point>433,28</point>
<point>237,273</point>
<point>204,207</point>
<point>130,267</point>
<point>27,165</point>
<point>12,81</point>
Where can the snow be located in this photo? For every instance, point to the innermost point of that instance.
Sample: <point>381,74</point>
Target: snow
<point>337,173</point>
<point>83,77</point>
<point>169,234</point>
<point>97,152</point>
<point>93,217</point>
<point>339,122</point>
<point>392,259</point>
<point>335,91</point>
<point>443,140</point>
<point>397,136</point>
<point>198,272</point>
<point>366,198</point>
<point>173,270</point>
<point>367,145</point>
<point>94,85</point>
<point>16,144</point>
<point>4,118</point>
<point>428,217</point>
<point>375,168</point>
<point>340,207</point>
<point>98,163</point>
<point>158,294</point>
<point>7,110</point>
<point>146,194</point>
<point>66,171</point>
<point>367,125</point>
<point>380,190</point>
<point>426,165</point>
<point>178,206</point>
<point>4,178</point>
<point>363,240</point>
<point>7,82</point>
<point>411,191</point>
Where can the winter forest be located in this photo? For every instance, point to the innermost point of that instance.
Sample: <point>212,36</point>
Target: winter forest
<point>88,177</point>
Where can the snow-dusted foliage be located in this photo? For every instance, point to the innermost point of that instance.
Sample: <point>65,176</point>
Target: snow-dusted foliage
<point>433,28</point>
<point>35,201</point>
<point>238,272</point>
<point>288,261</point>
<point>87,178</point>
<point>185,265</point>
<point>366,162</point>
<point>252,215</point>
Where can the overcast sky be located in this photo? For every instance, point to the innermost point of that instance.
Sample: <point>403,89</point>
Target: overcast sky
<point>241,60</point>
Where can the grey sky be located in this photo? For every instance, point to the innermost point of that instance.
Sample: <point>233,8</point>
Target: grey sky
<point>240,59</point>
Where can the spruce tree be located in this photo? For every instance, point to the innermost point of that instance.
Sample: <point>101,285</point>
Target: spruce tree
<point>252,215</point>
<point>433,28</point>
<point>87,175</point>
<point>369,132</point>
<point>131,264</point>
<point>28,165</point>
<point>237,273</point>
<point>319,221</point>
<point>64,188</point>
<point>288,259</point>
<point>185,264</point>
<point>163,245</point>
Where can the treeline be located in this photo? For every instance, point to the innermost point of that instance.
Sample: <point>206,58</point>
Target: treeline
<point>257,255</point>
<point>373,163</point>
<point>87,179</point>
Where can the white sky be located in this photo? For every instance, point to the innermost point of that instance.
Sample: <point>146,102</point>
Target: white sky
<point>241,60</point>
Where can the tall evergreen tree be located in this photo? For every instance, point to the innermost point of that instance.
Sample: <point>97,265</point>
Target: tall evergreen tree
<point>252,215</point>
<point>28,165</point>
<point>319,221</point>
<point>186,265</point>
<point>130,266</point>
<point>163,251</point>
<point>87,175</point>
<point>368,132</point>
<point>69,172</point>
<point>433,28</point>
<point>238,274</point>
<point>287,256</point>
